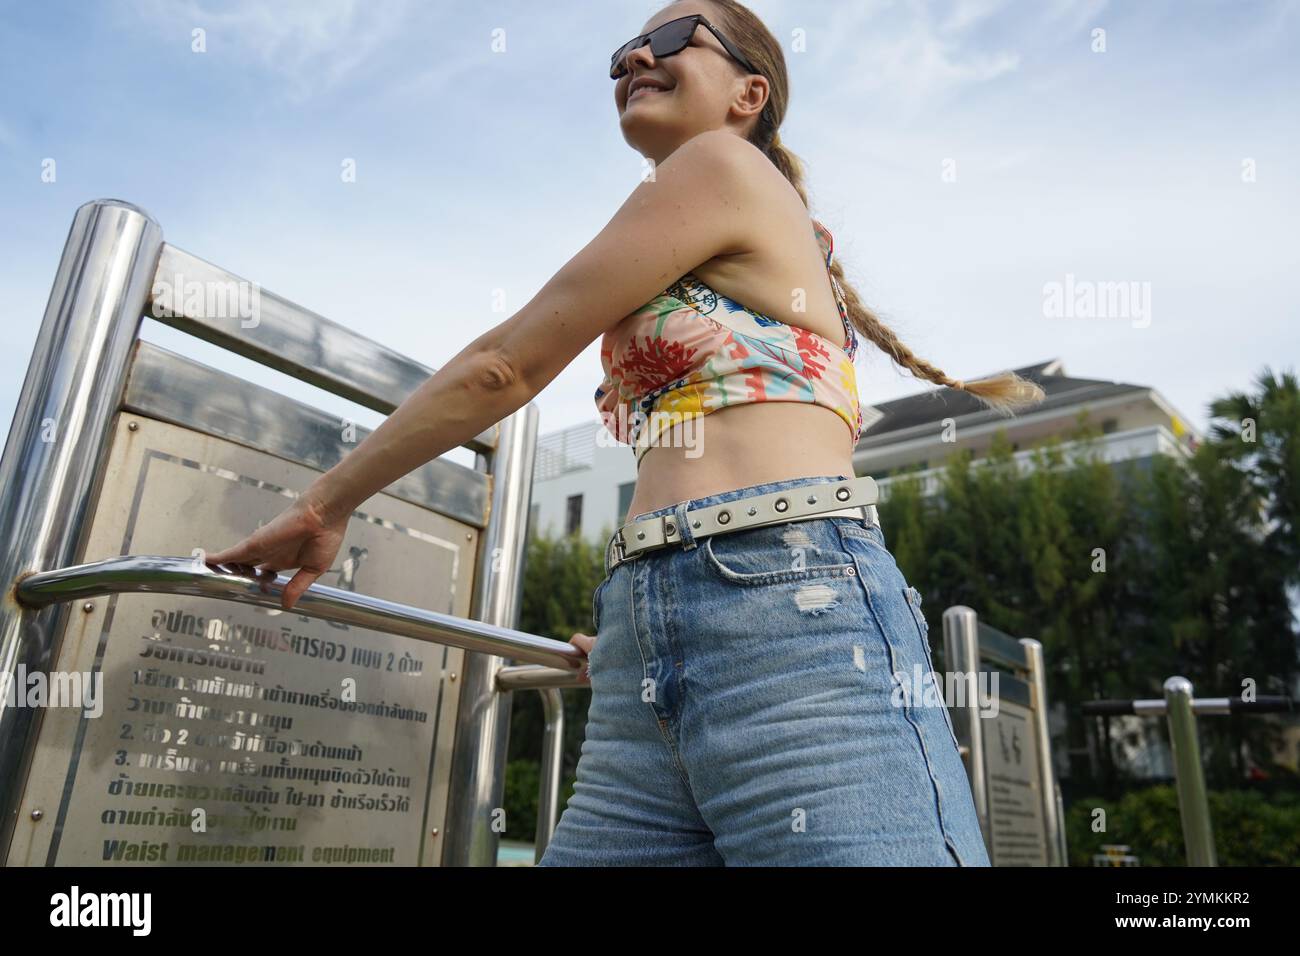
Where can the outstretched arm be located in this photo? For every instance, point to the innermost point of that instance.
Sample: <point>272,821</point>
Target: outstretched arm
<point>696,207</point>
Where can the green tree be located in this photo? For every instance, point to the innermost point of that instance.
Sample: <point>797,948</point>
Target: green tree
<point>1074,537</point>
<point>1260,434</point>
<point>560,578</point>
<point>1127,573</point>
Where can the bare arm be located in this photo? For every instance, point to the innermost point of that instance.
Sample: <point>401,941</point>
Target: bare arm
<point>457,402</point>
<point>697,207</point>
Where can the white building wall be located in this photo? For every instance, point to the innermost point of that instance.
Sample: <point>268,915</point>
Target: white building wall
<point>578,461</point>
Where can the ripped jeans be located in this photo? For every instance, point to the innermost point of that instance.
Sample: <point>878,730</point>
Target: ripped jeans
<point>752,705</point>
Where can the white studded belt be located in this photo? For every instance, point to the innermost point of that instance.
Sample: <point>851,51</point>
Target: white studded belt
<point>854,498</point>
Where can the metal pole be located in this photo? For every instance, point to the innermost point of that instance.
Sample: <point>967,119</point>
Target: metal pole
<point>961,652</point>
<point>474,803</point>
<point>164,574</point>
<point>548,799</point>
<point>58,438</point>
<point>1193,805</point>
<point>1061,848</point>
<point>1046,772</point>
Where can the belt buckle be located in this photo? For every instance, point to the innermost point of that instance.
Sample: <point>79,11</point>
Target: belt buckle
<point>620,547</point>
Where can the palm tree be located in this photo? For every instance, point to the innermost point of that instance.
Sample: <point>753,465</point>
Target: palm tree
<point>1260,433</point>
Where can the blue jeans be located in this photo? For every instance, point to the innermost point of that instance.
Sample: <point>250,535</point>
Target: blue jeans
<point>752,705</point>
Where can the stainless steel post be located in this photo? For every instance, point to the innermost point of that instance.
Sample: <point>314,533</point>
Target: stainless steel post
<point>474,807</point>
<point>1046,772</point>
<point>961,652</point>
<point>548,798</point>
<point>1193,805</point>
<point>58,438</point>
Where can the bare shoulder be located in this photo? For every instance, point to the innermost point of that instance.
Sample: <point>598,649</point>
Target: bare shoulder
<point>717,169</point>
<point>726,154</point>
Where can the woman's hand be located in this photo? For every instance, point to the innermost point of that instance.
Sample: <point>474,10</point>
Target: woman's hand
<point>302,536</point>
<point>584,643</point>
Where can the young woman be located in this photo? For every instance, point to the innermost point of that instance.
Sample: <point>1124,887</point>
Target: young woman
<point>752,682</point>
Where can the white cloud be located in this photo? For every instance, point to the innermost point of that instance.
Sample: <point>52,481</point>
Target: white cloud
<point>1080,13</point>
<point>967,13</point>
<point>313,44</point>
<point>904,55</point>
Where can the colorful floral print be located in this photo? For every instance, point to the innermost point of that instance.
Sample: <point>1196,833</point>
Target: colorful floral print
<point>691,351</point>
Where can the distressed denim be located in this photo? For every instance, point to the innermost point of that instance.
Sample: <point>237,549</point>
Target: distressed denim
<point>752,704</point>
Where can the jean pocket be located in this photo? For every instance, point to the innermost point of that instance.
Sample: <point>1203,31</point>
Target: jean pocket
<point>777,553</point>
<point>855,529</point>
<point>913,598</point>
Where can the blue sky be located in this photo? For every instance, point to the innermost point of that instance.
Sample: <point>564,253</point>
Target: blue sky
<point>480,170</point>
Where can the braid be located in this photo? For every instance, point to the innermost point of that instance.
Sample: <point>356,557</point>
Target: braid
<point>1004,393</point>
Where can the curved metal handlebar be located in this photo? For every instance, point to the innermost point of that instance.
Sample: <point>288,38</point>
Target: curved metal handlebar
<point>164,574</point>
<point>1268,704</point>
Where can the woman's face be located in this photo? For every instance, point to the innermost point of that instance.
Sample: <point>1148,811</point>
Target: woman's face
<point>706,89</point>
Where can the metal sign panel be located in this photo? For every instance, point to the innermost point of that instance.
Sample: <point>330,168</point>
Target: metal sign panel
<point>231,734</point>
<point>1017,829</point>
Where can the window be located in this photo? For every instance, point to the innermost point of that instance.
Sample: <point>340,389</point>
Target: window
<point>1109,425</point>
<point>624,502</point>
<point>533,510</point>
<point>573,515</point>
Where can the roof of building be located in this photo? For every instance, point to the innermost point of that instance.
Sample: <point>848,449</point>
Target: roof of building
<point>884,420</point>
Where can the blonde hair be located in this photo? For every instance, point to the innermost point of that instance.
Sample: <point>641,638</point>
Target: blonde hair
<point>1005,392</point>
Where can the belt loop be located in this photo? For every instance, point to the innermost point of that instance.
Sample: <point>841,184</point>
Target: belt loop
<point>869,515</point>
<point>683,530</point>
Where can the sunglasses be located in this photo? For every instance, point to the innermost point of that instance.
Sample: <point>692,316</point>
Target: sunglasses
<point>672,38</point>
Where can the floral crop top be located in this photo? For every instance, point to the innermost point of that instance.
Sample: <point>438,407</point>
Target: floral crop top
<point>691,351</point>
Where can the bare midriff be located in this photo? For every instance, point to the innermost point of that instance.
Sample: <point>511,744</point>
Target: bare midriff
<point>741,446</point>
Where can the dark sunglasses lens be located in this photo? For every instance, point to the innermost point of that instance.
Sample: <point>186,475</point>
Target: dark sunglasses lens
<point>672,37</point>
<point>665,41</point>
<point>616,61</point>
